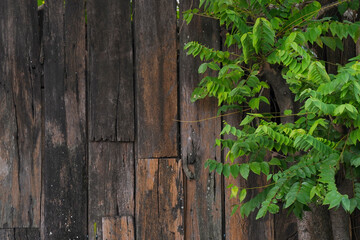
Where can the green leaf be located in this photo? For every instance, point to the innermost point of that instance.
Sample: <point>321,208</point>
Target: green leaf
<point>219,168</point>
<point>234,209</point>
<point>226,170</point>
<point>254,103</point>
<point>343,7</point>
<point>244,170</point>
<point>273,208</point>
<point>242,194</point>
<point>317,73</point>
<point>202,68</point>
<point>275,161</point>
<point>330,42</point>
<point>354,5</point>
<point>234,170</point>
<point>262,212</point>
<point>287,112</point>
<point>255,167</point>
<point>345,202</point>
<point>265,168</point>
<point>355,162</point>
<point>246,120</point>
<point>234,192</point>
<point>263,35</point>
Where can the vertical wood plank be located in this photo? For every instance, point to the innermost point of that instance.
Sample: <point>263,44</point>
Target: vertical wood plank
<point>118,228</point>
<point>159,198</point>
<point>20,115</point>
<point>111,97</point>
<point>204,193</point>
<point>64,165</point>
<point>111,182</point>
<point>156,78</point>
<point>236,227</point>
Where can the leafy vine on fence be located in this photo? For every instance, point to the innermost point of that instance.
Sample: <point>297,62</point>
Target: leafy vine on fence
<point>279,37</point>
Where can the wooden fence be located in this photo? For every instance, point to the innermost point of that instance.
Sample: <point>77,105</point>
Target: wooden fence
<point>91,146</point>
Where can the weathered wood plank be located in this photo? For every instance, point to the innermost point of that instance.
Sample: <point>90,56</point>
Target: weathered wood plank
<point>64,165</point>
<point>20,115</point>
<point>156,78</point>
<point>111,182</point>
<point>7,234</point>
<point>159,199</point>
<point>204,193</point>
<point>20,234</point>
<point>236,227</point>
<point>111,97</point>
<point>118,228</point>
<point>26,234</point>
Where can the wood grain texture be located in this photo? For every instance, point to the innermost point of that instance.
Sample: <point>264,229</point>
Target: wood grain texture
<point>20,115</point>
<point>7,234</point>
<point>111,182</point>
<point>118,228</point>
<point>111,97</point>
<point>156,78</point>
<point>20,234</point>
<point>159,199</point>
<point>64,166</point>
<point>204,192</point>
<point>26,234</point>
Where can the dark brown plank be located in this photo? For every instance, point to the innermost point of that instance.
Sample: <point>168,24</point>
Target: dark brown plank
<point>64,165</point>
<point>27,234</point>
<point>159,199</point>
<point>20,115</point>
<point>118,228</point>
<point>111,182</point>
<point>204,193</point>
<point>156,78</point>
<point>111,97</point>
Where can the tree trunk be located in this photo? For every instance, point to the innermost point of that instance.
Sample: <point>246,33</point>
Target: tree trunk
<point>315,225</point>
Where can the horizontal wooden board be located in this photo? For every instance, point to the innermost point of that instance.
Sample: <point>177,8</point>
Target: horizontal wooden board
<point>118,228</point>
<point>156,78</point>
<point>20,115</point>
<point>111,183</point>
<point>110,69</point>
<point>159,199</point>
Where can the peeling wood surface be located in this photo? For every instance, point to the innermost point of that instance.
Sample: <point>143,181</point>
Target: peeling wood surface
<point>204,192</point>
<point>156,78</point>
<point>64,165</point>
<point>111,182</point>
<point>118,228</point>
<point>111,97</point>
<point>159,199</point>
<point>20,115</point>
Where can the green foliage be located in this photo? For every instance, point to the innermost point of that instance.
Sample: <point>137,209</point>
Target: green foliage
<point>40,2</point>
<point>325,137</point>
